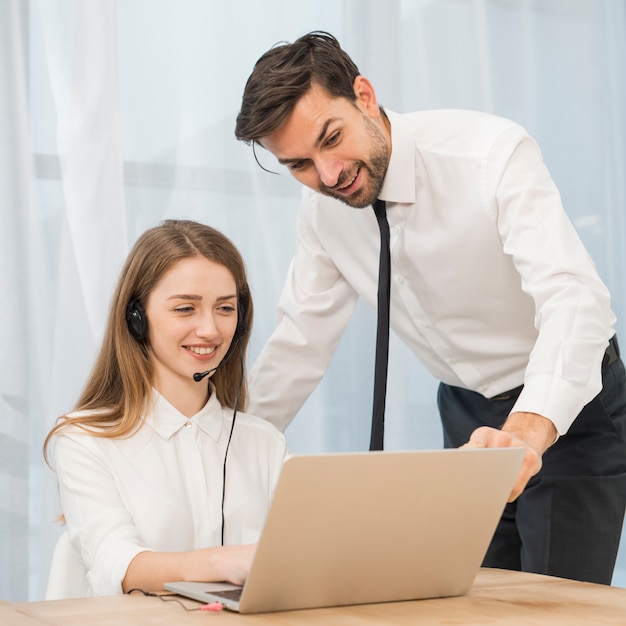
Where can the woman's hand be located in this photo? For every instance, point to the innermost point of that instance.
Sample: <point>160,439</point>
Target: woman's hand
<point>149,570</point>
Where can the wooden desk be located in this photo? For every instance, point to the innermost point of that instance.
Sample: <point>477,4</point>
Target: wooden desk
<point>497,597</point>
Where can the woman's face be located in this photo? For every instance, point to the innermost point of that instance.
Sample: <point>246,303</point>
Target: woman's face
<point>192,317</point>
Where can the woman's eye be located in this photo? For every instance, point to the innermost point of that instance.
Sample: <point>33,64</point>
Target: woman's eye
<point>183,309</point>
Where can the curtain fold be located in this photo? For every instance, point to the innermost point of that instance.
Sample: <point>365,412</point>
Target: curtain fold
<point>82,213</point>
<point>88,121</point>
<point>15,177</point>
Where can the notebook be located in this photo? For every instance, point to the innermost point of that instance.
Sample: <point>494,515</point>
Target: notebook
<point>368,527</point>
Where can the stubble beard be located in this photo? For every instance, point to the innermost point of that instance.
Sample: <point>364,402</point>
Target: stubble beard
<point>375,167</point>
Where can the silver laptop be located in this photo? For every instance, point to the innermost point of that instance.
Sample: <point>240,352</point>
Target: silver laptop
<point>365,527</point>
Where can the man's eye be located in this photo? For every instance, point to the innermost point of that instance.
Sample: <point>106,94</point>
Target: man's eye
<point>333,139</point>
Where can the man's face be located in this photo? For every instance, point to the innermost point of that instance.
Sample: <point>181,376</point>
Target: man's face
<point>334,146</point>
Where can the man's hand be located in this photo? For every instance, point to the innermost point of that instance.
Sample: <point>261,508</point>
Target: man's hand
<point>531,431</point>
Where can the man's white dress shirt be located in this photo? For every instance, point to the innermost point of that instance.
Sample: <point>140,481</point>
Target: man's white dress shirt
<point>161,488</point>
<point>491,286</point>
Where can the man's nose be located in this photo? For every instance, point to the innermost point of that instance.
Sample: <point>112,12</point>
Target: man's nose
<point>329,171</point>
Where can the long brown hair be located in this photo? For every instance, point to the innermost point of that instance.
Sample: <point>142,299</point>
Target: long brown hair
<point>120,383</point>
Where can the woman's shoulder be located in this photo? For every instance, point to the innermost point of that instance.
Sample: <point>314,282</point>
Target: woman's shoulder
<point>82,422</point>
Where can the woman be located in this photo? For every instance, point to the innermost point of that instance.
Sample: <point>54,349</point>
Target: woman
<point>152,487</point>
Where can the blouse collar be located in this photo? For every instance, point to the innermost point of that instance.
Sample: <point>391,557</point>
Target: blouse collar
<point>166,420</point>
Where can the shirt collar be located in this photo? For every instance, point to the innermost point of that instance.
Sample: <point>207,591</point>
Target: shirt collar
<point>166,420</point>
<point>399,184</point>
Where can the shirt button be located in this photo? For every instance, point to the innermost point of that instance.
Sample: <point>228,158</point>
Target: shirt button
<point>401,280</point>
<point>188,425</point>
<point>424,324</point>
<point>452,360</point>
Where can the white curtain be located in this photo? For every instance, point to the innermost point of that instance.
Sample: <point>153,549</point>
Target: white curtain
<point>117,114</point>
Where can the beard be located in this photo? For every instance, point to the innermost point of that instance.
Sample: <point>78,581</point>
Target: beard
<point>374,167</point>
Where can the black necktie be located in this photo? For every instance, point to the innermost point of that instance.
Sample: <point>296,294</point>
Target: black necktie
<point>382,330</point>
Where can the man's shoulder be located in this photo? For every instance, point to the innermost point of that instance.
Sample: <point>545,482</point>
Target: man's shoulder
<point>457,130</point>
<point>463,118</point>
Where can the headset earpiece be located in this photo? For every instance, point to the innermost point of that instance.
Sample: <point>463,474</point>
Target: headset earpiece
<point>136,320</point>
<point>240,332</point>
<point>242,328</point>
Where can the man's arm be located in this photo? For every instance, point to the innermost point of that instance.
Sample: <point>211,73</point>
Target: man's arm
<point>573,313</point>
<point>315,307</point>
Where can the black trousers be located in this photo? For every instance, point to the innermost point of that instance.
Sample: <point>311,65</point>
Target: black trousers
<point>568,520</point>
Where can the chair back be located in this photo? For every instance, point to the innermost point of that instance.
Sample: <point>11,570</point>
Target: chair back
<point>68,576</point>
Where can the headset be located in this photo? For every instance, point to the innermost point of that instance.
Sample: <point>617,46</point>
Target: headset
<point>136,319</point>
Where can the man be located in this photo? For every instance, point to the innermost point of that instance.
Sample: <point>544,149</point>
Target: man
<point>490,287</point>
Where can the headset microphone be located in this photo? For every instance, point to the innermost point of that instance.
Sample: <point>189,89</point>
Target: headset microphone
<point>198,376</point>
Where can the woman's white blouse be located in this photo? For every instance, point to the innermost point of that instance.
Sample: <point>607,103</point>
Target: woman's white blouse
<point>161,488</point>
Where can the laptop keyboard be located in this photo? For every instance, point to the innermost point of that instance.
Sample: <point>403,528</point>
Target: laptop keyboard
<point>229,594</point>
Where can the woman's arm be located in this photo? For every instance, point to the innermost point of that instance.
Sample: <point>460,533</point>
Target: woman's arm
<point>105,536</point>
<point>149,570</point>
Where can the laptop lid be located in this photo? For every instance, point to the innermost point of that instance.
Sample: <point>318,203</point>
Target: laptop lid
<point>364,527</point>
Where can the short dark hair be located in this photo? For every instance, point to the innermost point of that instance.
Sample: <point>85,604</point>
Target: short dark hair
<point>284,74</point>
